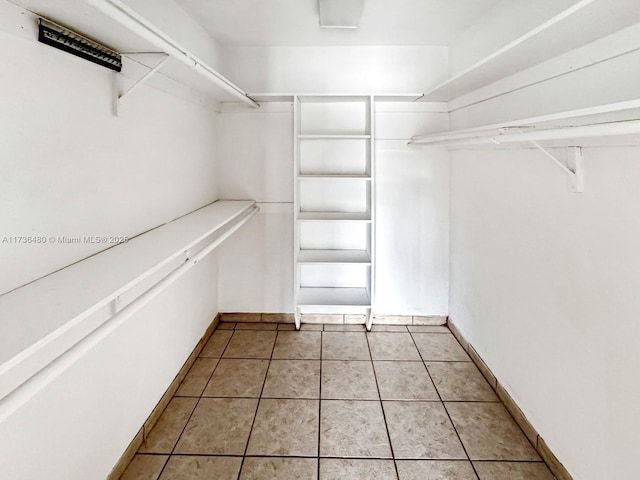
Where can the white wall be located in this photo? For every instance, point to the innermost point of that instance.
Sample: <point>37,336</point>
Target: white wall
<point>544,282</point>
<point>412,213</point>
<point>68,167</point>
<point>256,162</point>
<point>357,70</point>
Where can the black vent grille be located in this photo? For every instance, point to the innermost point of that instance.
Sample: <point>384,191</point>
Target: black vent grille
<point>59,37</point>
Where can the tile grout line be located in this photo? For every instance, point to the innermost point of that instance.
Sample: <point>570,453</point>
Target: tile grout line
<point>255,414</point>
<point>195,406</point>
<point>445,408</point>
<point>320,402</point>
<point>384,416</point>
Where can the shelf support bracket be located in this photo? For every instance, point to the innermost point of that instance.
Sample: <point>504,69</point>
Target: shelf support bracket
<point>368,320</point>
<point>119,97</point>
<point>574,168</point>
<point>297,318</point>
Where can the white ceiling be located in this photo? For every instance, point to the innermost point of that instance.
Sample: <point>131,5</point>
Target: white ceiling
<point>295,22</point>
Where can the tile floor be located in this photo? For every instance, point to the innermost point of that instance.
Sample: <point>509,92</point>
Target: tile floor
<point>333,402</point>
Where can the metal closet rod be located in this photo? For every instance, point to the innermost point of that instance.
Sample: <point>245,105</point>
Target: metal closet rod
<point>128,18</point>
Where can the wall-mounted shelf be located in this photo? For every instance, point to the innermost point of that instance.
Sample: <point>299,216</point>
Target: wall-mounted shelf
<point>72,313</point>
<point>333,297</point>
<point>334,208</point>
<point>564,129</point>
<point>334,216</point>
<point>568,29</point>
<point>311,257</point>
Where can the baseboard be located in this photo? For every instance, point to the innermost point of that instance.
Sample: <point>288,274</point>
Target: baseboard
<point>334,319</point>
<point>148,425</point>
<point>529,430</point>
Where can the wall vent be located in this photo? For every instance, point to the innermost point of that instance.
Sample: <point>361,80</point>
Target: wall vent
<point>64,39</point>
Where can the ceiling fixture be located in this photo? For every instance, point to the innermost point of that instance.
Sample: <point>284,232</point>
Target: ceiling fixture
<point>340,13</point>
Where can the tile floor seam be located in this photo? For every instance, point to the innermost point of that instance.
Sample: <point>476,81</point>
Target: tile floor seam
<point>384,416</point>
<point>320,405</point>
<point>445,408</point>
<point>255,414</point>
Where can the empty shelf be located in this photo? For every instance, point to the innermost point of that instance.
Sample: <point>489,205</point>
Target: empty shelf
<point>334,256</point>
<point>342,216</point>
<point>333,297</point>
<point>335,175</point>
<point>334,137</point>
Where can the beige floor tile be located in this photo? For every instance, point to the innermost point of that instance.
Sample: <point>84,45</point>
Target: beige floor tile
<point>166,432</point>
<point>393,319</point>
<point>460,381</point>
<point>278,318</point>
<point>392,346</point>
<point>344,328</point>
<point>314,327</point>
<point>237,378</point>
<point>389,328</point>
<point>197,467</point>
<point>429,320</point>
<point>226,326</point>
<point>422,430</point>
<point>286,326</point>
<point>404,381</point>
<point>345,346</point>
<point>344,380</point>
<point>145,467</point>
<point>250,344</point>
<point>216,344</point>
<point>256,326</point>
<point>298,345</point>
<point>274,468</point>
<point>293,379</point>
<point>353,429</point>
<point>489,433</point>
<point>341,469</point>
<point>241,317</point>
<point>440,347</point>
<point>197,378</point>
<point>435,470</point>
<point>513,471</point>
<point>286,428</point>
<point>428,329</point>
<point>218,426</point>
<point>322,319</point>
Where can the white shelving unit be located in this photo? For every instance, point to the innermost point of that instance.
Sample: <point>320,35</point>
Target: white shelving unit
<point>334,209</point>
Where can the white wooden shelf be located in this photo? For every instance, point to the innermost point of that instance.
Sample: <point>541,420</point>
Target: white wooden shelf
<point>340,216</point>
<point>50,315</point>
<point>564,31</point>
<point>333,297</point>
<point>310,257</point>
<point>334,268</point>
<point>334,176</point>
<point>334,137</point>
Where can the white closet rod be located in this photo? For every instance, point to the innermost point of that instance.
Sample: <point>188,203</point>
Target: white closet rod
<point>17,396</point>
<point>626,127</point>
<point>128,18</point>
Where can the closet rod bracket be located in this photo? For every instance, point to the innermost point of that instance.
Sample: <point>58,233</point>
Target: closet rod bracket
<point>118,97</point>
<point>574,167</point>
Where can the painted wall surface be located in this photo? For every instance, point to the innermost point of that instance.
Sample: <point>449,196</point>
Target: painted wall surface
<point>412,213</point>
<point>256,162</point>
<point>68,167</point>
<point>357,70</point>
<point>544,282</point>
